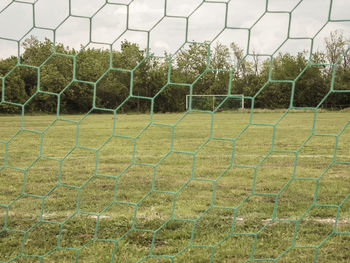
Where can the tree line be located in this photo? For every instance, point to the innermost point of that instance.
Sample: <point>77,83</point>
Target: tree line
<point>205,69</point>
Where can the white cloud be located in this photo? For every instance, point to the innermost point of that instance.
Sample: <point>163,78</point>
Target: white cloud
<point>4,3</point>
<point>306,22</point>
<point>340,9</point>
<point>50,13</point>
<point>8,48</point>
<point>109,23</point>
<point>182,7</point>
<point>294,46</point>
<point>74,32</point>
<point>159,44</point>
<point>285,5</point>
<point>206,22</point>
<point>124,2</point>
<point>86,8</point>
<point>168,36</point>
<point>16,21</point>
<point>144,14</point>
<point>244,13</point>
<point>237,36</point>
<point>267,35</point>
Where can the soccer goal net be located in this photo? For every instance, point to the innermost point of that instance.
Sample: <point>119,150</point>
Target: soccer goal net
<point>101,159</point>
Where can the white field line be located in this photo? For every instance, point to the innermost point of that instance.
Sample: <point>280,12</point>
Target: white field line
<point>273,155</point>
<point>342,221</point>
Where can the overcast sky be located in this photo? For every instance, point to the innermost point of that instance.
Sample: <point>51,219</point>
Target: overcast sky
<point>206,23</point>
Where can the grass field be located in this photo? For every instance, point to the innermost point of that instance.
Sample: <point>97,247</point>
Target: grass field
<point>188,188</point>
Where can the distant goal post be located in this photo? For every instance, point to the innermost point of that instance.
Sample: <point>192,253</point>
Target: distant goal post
<point>213,102</point>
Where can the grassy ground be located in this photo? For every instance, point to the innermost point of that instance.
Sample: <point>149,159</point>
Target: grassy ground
<point>189,188</point>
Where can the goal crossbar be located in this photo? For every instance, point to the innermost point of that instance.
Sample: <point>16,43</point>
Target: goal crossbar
<point>237,96</point>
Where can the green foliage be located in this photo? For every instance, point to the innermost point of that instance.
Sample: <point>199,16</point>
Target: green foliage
<point>115,75</point>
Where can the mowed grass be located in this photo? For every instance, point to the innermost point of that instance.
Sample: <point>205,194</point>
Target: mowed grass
<point>270,186</point>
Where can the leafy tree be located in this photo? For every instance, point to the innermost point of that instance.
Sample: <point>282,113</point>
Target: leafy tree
<point>92,64</point>
<point>37,52</point>
<point>190,63</point>
<point>206,69</point>
<point>15,87</point>
<point>113,89</point>
<point>335,46</point>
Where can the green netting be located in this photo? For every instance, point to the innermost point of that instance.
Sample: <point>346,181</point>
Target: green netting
<point>205,185</point>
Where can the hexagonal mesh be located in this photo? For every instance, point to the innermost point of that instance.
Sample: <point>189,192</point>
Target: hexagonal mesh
<point>94,168</point>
